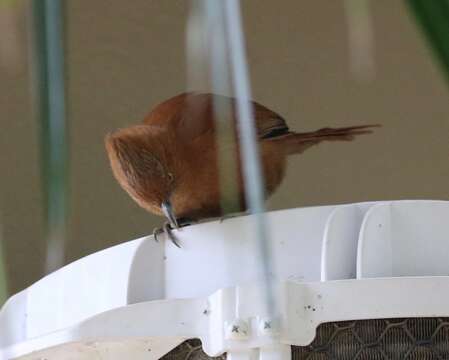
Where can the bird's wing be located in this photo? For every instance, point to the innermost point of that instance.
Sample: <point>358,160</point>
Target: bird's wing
<point>268,123</point>
<point>203,108</point>
<point>192,115</point>
<point>166,112</point>
<point>188,114</point>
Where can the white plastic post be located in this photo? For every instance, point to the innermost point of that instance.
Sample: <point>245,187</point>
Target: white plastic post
<point>278,352</point>
<point>250,354</point>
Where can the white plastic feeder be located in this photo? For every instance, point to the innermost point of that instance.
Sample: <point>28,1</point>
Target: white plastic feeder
<point>141,299</point>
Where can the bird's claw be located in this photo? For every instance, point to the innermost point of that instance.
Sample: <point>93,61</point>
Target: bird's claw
<point>168,231</point>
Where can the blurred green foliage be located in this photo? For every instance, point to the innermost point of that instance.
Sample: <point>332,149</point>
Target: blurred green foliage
<point>433,17</point>
<point>49,66</point>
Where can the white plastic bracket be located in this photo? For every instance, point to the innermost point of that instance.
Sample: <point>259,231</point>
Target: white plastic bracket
<point>276,352</point>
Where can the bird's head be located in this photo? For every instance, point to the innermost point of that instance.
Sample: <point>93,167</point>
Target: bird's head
<point>141,163</point>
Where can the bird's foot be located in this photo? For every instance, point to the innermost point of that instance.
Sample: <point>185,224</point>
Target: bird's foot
<point>167,230</point>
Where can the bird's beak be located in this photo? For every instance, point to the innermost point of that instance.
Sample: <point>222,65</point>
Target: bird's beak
<point>168,212</point>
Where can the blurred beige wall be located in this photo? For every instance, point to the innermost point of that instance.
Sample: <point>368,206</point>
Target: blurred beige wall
<point>125,57</point>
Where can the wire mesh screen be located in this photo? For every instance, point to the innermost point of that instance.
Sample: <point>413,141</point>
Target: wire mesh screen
<point>412,338</point>
<point>380,339</point>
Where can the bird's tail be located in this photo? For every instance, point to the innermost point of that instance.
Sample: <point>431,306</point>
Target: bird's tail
<point>296,143</point>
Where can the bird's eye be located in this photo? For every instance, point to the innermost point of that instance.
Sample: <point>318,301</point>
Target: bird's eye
<point>170,176</point>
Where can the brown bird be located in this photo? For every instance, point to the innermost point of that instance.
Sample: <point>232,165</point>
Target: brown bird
<point>168,164</point>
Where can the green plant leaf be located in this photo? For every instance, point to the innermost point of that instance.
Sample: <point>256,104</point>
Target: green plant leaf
<point>433,17</point>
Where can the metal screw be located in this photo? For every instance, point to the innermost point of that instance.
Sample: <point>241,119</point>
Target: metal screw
<point>237,329</point>
<point>268,327</point>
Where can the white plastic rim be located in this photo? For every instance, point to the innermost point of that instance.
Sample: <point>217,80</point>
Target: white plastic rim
<point>404,238</point>
<point>127,293</point>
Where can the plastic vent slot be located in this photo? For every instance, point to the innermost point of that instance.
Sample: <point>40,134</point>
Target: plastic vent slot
<point>380,339</point>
